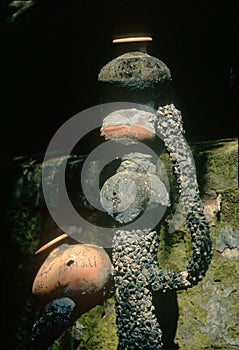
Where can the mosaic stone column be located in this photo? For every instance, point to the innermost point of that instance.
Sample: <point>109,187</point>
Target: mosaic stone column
<point>141,78</point>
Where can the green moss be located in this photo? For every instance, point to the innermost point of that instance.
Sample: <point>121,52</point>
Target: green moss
<point>64,342</point>
<point>26,229</point>
<point>173,250</point>
<point>229,207</point>
<point>99,328</point>
<point>191,318</point>
<point>225,270</point>
<point>234,331</point>
<point>216,164</point>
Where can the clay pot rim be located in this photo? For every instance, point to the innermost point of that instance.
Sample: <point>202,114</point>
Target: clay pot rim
<point>58,239</point>
<point>132,39</point>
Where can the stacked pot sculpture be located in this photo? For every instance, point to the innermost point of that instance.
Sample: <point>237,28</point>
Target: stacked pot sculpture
<point>136,272</point>
<point>75,277</point>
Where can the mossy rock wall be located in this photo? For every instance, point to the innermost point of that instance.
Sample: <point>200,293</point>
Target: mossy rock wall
<point>208,313</point>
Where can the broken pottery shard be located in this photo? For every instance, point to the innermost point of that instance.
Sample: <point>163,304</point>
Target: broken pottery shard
<point>130,123</point>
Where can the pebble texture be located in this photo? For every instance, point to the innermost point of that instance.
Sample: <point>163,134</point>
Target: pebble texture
<point>135,70</point>
<point>55,319</point>
<point>170,128</point>
<point>134,253</point>
<point>137,274</point>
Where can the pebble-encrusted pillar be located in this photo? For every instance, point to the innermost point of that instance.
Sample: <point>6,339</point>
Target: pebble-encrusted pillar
<point>136,272</point>
<point>169,126</point>
<point>133,253</point>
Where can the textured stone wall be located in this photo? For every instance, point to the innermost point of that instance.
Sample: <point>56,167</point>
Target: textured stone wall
<point>208,312</point>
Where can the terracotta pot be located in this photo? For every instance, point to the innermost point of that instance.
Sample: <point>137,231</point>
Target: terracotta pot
<point>72,271</point>
<point>129,124</point>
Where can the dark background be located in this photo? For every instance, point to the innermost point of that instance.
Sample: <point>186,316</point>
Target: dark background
<point>52,53</point>
<point>50,57</point>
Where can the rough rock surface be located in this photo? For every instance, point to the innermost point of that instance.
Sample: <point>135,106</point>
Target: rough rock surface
<point>208,312</point>
<point>135,70</point>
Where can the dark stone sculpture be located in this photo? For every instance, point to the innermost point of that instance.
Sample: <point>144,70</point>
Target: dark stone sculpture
<point>138,278</point>
<point>133,189</point>
<point>139,283</point>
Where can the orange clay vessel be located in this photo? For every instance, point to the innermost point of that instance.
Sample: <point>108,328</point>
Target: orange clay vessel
<point>72,271</point>
<point>129,123</point>
<point>137,132</point>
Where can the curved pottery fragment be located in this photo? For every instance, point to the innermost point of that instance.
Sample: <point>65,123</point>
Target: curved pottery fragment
<point>129,124</point>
